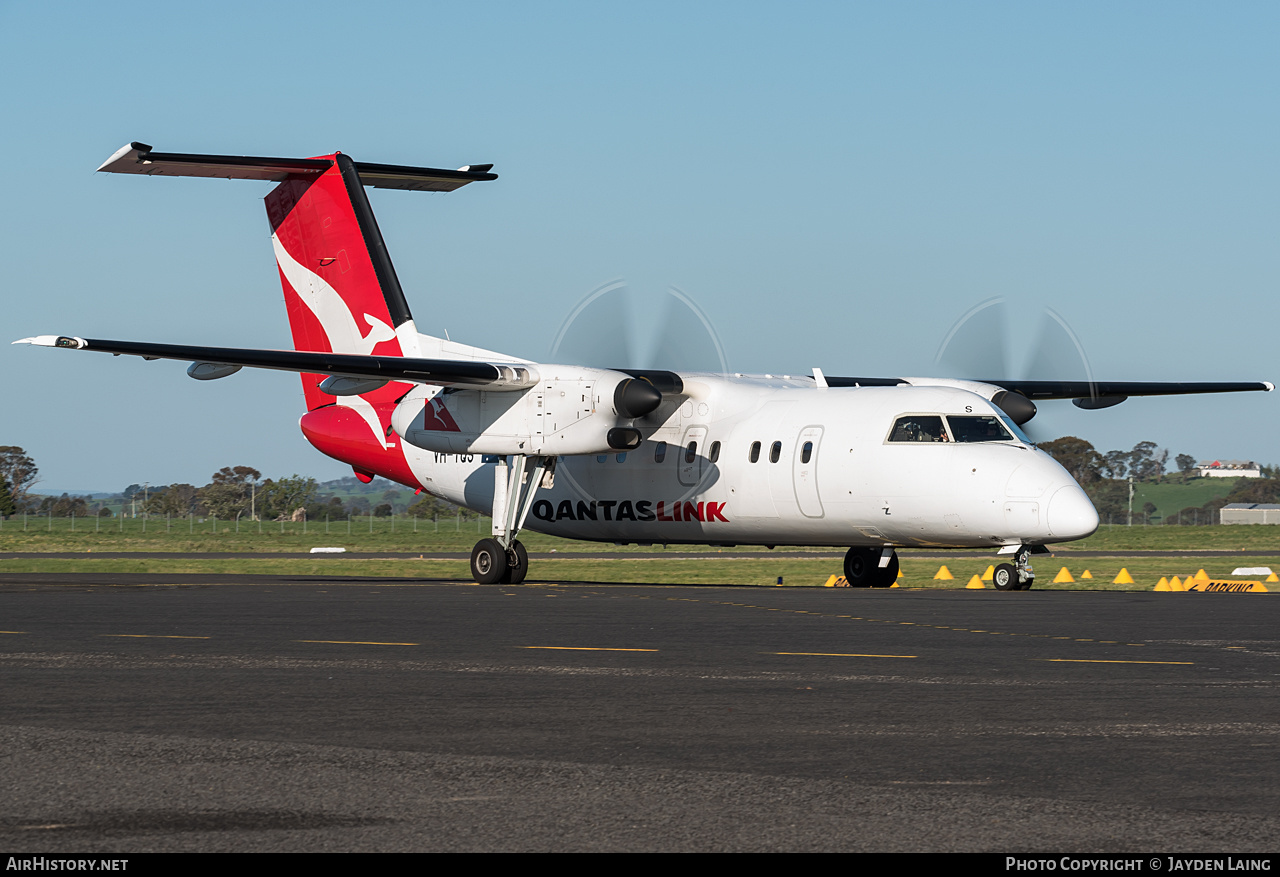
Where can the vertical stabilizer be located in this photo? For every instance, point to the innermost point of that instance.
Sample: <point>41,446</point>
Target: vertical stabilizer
<point>340,288</point>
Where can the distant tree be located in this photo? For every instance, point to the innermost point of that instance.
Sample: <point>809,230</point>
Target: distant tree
<point>1077,456</point>
<point>383,511</point>
<point>284,496</point>
<point>177,500</point>
<point>64,506</point>
<point>1115,464</point>
<point>7,505</point>
<point>20,471</point>
<point>1141,460</point>
<point>1148,509</point>
<point>1254,490</point>
<point>230,492</point>
<point>1185,463</point>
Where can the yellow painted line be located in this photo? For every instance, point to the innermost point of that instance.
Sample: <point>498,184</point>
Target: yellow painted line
<point>352,642</point>
<point>586,649</point>
<point>1100,661</point>
<point>23,631</point>
<point>152,636</point>
<point>840,655</point>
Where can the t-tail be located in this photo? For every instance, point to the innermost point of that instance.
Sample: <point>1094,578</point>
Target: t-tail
<point>340,287</point>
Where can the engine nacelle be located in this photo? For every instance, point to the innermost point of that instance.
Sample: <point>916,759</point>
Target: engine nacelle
<point>571,410</point>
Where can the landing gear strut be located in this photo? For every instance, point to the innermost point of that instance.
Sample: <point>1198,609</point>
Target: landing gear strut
<point>1017,576</point>
<point>502,558</point>
<point>871,567</point>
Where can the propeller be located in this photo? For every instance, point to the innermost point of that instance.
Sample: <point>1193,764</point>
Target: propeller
<point>979,346</point>
<point>615,326</point>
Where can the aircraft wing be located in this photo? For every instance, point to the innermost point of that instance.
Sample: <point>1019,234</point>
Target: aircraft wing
<point>438,372</point>
<point>1089,392</point>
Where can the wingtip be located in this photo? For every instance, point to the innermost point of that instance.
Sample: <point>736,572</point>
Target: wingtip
<point>52,341</point>
<point>1270,386</point>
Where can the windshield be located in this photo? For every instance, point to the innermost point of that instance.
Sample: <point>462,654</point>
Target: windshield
<point>978,428</point>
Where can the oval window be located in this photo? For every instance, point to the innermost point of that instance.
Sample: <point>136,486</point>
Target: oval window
<point>691,452</point>
<point>755,452</point>
<point>714,455</point>
<point>806,453</point>
<point>775,452</point>
<point>659,452</point>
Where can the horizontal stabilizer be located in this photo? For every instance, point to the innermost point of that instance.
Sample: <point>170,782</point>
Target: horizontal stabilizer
<point>138,158</point>
<point>437,372</point>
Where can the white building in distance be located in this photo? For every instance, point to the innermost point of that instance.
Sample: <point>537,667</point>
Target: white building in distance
<point>1229,469</point>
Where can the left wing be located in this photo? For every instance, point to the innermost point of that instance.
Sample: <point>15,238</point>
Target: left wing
<point>437,372</point>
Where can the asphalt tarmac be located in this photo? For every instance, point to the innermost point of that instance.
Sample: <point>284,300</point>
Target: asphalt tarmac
<point>313,714</point>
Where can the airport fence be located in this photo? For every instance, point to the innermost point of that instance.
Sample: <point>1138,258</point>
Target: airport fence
<point>195,525</point>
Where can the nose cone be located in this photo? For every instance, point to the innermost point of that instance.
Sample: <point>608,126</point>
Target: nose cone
<point>1070,514</point>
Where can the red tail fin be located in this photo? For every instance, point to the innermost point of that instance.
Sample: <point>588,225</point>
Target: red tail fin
<point>340,287</point>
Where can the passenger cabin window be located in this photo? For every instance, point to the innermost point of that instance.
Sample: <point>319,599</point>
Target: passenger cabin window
<point>602,458</point>
<point>659,452</point>
<point>775,452</point>
<point>691,452</point>
<point>621,458</point>
<point>754,456</point>
<point>919,428</point>
<point>806,453</point>
<point>714,454</point>
<point>984,428</point>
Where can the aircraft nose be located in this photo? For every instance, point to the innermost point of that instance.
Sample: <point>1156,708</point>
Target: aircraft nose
<point>1070,514</point>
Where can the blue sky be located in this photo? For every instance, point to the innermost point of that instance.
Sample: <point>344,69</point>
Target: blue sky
<point>835,184</point>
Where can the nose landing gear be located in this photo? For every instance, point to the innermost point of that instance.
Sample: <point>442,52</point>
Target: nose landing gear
<point>1016,576</point>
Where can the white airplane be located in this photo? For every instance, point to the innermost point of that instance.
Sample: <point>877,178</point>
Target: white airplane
<point>626,455</point>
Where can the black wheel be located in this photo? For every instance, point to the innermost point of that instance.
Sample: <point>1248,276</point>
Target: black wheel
<point>1026,586</point>
<point>887,576</point>
<point>488,562</point>
<point>862,568</point>
<point>1005,578</point>
<point>517,564</point>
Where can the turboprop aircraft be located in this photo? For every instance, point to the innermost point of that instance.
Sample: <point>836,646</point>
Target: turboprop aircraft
<point>628,455</point>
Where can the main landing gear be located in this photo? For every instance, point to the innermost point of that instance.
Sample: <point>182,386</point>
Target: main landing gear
<point>502,558</point>
<point>871,567</point>
<point>1016,576</point>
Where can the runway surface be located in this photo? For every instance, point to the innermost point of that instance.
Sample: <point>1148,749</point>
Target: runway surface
<point>278,713</point>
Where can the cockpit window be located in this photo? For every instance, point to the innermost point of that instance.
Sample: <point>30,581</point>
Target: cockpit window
<point>919,428</point>
<point>978,428</point>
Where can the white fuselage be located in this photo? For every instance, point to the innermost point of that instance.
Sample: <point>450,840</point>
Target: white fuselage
<point>850,486</point>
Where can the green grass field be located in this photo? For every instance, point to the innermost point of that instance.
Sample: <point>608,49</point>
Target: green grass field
<point>648,564</point>
<point>1172,497</point>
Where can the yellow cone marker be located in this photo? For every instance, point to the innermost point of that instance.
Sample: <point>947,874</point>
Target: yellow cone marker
<point>1064,575</point>
<point>975,583</point>
<point>1162,585</point>
<point>831,582</point>
<point>1202,576</point>
<point>1123,579</point>
<point>1273,578</point>
<point>943,573</point>
<point>894,585</point>
<point>1086,575</point>
<point>987,576</point>
<point>1175,584</point>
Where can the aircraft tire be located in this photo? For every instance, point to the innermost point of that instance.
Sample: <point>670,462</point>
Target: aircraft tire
<point>862,569</point>
<point>889,574</point>
<point>488,562</point>
<point>517,564</point>
<point>1005,578</point>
